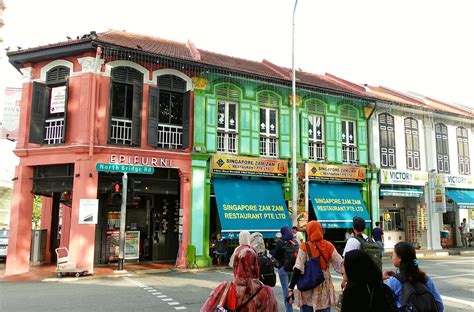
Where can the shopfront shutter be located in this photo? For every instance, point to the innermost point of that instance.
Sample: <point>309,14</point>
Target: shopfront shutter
<point>285,133</point>
<point>211,125</point>
<point>136,112</point>
<point>186,119</point>
<point>244,129</point>
<point>65,111</point>
<point>304,135</point>
<point>39,109</point>
<point>152,132</point>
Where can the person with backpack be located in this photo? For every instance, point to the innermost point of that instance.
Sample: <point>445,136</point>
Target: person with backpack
<point>363,242</point>
<point>285,253</point>
<point>265,260</point>
<point>245,293</point>
<point>323,296</point>
<point>365,290</point>
<point>412,287</point>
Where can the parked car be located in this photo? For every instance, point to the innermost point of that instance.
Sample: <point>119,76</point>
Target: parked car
<point>3,243</point>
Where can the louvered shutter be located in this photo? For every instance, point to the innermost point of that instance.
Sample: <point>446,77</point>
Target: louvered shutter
<point>362,147</point>
<point>136,112</point>
<point>186,119</point>
<point>65,111</point>
<point>304,135</point>
<point>285,133</point>
<point>39,109</point>
<point>244,129</point>
<point>211,125</point>
<point>152,133</point>
<point>255,150</point>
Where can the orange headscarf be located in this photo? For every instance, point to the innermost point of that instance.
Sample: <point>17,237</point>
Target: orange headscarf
<point>314,230</point>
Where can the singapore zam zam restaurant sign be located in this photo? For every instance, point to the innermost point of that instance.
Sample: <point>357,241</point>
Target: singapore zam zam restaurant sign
<point>140,160</point>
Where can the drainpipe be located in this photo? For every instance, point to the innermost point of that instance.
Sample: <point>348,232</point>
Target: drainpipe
<point>369,188</point>
<point>93,102</point>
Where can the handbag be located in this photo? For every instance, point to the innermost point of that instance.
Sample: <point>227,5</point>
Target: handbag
<point>223,298</point>
<point>313,274</point>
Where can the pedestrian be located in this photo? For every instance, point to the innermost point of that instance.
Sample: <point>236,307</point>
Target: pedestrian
<point>349,233</point>
<point>220,249</point>
<point>378,236</point>
<point>404,258</point>
<point>323,297</point>
<point>365,290</point>
<point>265,260</point>
<point>244,240</point>
<point>358,227</point>
<point>282,253</point>
<point>245,293</point>
<point>463,229</point>
<point>297,235</point>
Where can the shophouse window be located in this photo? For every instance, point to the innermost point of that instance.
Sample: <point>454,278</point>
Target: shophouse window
<point>316,137</point>
<point>49,108</point>
<point>268,132</point>
<point>412,144</point>
<point>463,151</point>
<point>442,148</point>
<point>168,115</point>
<point>387,140</point>
<point>227,127</point>
<point>125,109</point>
<point>349,144</point>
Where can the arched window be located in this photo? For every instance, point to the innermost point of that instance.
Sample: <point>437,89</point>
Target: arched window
<point>463,150</point>
<point>316,112</point>
<point>442,148</point>
<point>387,140</point>
<point>349,135</point>
<point>268,103</point>
<point>126,102</point>
<point>412,144</point>
<point>227,118</point>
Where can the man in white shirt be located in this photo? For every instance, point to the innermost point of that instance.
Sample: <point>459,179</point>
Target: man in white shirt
<point>358,225</point>
<point>297,236</point>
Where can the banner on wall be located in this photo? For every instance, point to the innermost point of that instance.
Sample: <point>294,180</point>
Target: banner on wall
<point>440,196</point>
<point>235,165</point>
<point>58,100</point>
<point>456,181</point>
<point>322,172</point>
<point>401,177</point>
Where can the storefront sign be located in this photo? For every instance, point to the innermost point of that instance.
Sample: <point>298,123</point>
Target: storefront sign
<point>324,172</point>
<point>124,168</point>
<point>422,217</point>
<point>249,166</point>
<point>400,177</point>
<point>88,210</point>
<point>439,196</point>
<point>456,181</point>
<point>140,160</point>
<point>132,245</point>
<point>58,100</point>
<point>11,113</point>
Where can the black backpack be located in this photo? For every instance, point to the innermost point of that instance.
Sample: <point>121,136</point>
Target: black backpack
<point>416,297</point>
<point>372,249</point>
<point>267,270</point>
<point>290,250</point>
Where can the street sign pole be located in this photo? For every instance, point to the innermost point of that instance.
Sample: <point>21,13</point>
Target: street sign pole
<point>123,214</point>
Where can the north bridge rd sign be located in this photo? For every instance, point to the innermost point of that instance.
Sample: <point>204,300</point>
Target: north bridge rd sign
<point>124,168</point>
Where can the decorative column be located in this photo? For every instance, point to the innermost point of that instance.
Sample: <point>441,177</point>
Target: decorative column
<point>19,241</point>
<point>199,133</point>
<point>374,195</point>
<point>185,202</point>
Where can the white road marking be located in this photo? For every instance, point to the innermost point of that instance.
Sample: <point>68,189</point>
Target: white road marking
<point>156,293</point>
<point>151,290</point>
<point>180,308</point>
<point>449,276</point>
<point>468,303</point>
<point>167,299</point>
<point>173,303</point>
<point>162,296</point>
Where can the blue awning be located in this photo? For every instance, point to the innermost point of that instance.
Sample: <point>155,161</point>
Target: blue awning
<point>463,198</point>
<point>397,191</point>
<point>253,205</point>
<point>335,205</point>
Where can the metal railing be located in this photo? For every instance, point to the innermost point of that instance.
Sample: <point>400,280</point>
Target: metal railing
<point>268,146</point>
<point>170,136</point>
<point>316,150</point>
<point>54,130</point>
<point>349,154</point>
<point>121,131</point>
<point>226,142</point>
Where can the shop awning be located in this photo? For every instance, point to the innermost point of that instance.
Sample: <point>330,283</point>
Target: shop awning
<point>395,191</point>
<point>336,205</point>
<point>253,205</point>
<point>463,198</point>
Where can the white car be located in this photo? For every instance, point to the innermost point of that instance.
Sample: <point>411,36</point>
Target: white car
<point>3,243</point>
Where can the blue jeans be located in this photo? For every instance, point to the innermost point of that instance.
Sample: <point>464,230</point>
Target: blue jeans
<point>285,278</point>
<point>307,308</point>
<point>380,244</point>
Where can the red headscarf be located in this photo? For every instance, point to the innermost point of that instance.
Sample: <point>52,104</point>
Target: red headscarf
<point>315,238</point>
<point>246,273</point>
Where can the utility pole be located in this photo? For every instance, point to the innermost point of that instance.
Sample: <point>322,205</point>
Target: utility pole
<point>294,199</point>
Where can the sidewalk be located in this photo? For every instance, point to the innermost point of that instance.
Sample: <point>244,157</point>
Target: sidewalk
<point>453,251</point>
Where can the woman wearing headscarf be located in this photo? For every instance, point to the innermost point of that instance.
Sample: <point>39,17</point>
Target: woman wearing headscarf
<point>364,290</point>
<point>323,297</point>
<point>245,293</point>
<point>266,261</point>
<point>244,240</point>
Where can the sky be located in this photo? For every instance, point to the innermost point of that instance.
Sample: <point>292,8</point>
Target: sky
<point>424,46</point>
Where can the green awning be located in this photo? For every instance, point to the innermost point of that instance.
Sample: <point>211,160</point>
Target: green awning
<point>401,191</point>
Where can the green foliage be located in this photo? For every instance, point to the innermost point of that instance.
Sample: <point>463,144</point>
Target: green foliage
<point>36,211</point>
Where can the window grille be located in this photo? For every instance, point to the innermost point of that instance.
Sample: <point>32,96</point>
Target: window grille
<point>316,137</point>
<point>463,151</point>
<point>54,129</point>
<point>349,142</point>
<point>268,132</point>
<point>170,136</point>
<point>121,131</point>
<point>227,126</point>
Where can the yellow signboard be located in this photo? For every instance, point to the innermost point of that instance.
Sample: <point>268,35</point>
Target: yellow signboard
<point>249,166</point>
<point>336,172</point>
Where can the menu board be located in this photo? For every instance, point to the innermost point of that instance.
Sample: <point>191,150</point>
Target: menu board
<point>422,217</point>
<point>412,231</point>
<point>132,245</point>
<point>113,239</point>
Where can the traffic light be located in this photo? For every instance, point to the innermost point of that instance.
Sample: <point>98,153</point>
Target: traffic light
<point>117,187</point>
<point>116,197</point>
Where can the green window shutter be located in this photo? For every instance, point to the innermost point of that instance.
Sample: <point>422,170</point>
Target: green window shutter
<point>244,128</point>
<point>362,142</point>
<point>186,119</point>
<point>285,133</point>
<point>199,119</point>
<point>255,151</point>
<point>211,125</point>
<point>136,112</point>
<point>338,145</point>
<point>330,133</point>
<point>39,109</point>
<point>152,133</point>
<point>304,135</point>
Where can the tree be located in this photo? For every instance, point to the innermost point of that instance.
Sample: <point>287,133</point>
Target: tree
<point>37,203</point>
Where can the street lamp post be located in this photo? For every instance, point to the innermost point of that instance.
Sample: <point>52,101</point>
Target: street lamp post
<point>294,199</point>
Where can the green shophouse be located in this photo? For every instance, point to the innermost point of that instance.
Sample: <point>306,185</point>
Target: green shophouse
<point>245,119</point>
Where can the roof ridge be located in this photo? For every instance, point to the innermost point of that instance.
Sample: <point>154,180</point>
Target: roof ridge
<point>278,69</point>
<point>193,50</point>
<point>124,32</point>
<point>351,84</point>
